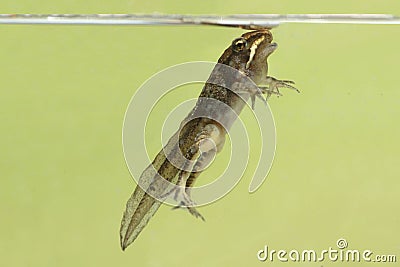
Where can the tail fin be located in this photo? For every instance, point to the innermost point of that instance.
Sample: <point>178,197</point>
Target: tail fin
<point>139,209</point>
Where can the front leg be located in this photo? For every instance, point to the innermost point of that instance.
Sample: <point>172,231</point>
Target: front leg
<point>274,85</point>
<point>272,88</point>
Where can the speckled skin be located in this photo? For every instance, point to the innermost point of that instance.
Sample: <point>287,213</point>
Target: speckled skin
<point>247,58</point>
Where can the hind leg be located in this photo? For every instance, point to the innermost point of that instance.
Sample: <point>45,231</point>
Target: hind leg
<point>208,142</point>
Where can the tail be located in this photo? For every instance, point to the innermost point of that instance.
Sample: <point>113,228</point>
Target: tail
<point>139,210</point>
<point>141,206</point>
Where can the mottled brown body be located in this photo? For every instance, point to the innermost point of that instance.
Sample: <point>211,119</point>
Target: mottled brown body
<point>232,86</point>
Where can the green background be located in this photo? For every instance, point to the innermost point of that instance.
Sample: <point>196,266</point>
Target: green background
<point>64,182</point>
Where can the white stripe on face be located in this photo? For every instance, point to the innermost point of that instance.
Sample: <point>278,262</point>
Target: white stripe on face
<point>253,50</point>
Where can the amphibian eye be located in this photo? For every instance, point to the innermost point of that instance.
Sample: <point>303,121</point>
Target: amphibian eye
<point>239,44</point>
